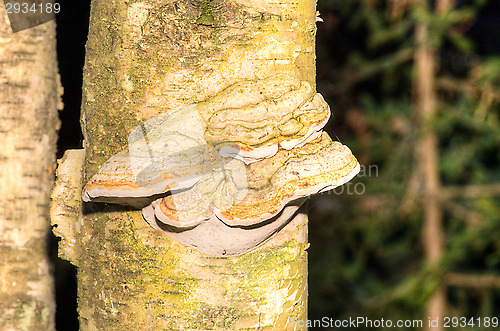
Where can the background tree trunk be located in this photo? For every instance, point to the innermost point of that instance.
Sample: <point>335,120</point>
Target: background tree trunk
<point>427,152</point>
<point>28,133</point>
<point>143,60</point>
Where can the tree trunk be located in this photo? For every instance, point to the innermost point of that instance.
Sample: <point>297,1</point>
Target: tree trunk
<point>427,152</point>
<point>146,59</point>
<point>28,133</point>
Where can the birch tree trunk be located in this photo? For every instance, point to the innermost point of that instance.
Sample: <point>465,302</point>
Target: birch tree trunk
<point>145,58</point>
<point>28,133</point>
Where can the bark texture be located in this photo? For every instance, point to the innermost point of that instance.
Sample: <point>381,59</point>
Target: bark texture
<point>146,58</point>
<point>28,132</point>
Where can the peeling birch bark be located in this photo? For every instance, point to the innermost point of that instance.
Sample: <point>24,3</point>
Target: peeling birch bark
<point>66,204</point>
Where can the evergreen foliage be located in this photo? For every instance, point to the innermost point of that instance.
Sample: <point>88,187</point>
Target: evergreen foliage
<point>366,255</point>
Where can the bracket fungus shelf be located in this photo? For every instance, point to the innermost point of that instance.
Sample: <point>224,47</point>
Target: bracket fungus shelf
<point>226,174</point>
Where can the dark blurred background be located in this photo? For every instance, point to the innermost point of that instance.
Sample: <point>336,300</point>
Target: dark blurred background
<point>369,256</point>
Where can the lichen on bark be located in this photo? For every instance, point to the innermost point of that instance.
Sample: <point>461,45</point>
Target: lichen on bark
<point>149,57</point>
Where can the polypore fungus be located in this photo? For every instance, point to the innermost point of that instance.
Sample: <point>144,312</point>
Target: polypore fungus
<point>226,174</point>
<point>250,120</point>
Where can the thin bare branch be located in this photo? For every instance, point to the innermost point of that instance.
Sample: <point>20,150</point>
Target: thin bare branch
<point>470,191</point>
<point>473,281</point>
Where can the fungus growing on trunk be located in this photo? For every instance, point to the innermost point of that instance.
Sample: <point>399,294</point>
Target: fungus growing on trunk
<point>226,174</point>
